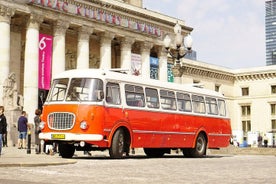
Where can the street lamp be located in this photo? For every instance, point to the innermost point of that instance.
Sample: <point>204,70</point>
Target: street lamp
<point>180,46</point>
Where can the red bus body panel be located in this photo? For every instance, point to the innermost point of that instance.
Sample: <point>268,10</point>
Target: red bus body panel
<point>150,129</point>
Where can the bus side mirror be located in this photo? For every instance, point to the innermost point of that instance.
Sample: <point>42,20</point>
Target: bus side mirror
<point>100,95</point>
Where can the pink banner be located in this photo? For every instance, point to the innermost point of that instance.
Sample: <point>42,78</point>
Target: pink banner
<point>45,61</point>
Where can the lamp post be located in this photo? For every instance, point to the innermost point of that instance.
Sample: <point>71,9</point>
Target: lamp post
<point>181,48</point>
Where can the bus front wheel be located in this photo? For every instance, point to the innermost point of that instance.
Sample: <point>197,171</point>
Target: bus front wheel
<point>118,144</point>
<point>66,150</point>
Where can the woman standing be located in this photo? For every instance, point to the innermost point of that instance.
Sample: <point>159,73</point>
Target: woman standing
<point>3,126</point>
<point>37,130</point>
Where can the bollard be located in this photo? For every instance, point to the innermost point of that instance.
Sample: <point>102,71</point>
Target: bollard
<point>29,142</point>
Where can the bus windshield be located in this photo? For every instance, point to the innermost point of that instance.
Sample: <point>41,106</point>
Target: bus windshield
<point>79,89</point>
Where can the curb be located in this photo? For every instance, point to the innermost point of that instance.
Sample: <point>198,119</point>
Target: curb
<point>36,164</point>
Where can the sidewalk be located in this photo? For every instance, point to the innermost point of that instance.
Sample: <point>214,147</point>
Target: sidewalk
<point>245,151</point>
<point>13,157</point>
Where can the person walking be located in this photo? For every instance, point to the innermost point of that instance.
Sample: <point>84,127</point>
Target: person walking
<point>22,126</point>
<point>37,130</point>
<point>3,126</point>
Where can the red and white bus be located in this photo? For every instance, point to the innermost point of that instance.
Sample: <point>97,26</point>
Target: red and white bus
<point>95,109</point>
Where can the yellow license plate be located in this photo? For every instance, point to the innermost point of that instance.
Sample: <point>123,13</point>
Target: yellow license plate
<point>58,136</point>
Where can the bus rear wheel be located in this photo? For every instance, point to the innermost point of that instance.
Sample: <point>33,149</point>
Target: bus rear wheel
<point>199,150</point>
<point>118,144</point>
<point>66,150</point>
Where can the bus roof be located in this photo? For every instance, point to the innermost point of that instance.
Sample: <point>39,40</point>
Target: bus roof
<point>113,75</point>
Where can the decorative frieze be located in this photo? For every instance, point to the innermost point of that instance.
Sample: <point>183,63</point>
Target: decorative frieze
<point>255,76</point>
<point>204,72</point>
<point>99,14</point>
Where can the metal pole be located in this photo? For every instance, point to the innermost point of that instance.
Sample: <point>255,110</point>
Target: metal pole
<point>29,142</point>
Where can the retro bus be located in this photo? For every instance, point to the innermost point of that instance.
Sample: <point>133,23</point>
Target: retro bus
<point>96,109</point>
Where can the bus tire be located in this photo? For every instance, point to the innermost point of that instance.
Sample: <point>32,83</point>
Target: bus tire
<point>66,150</point>
<point>117,147</point>
<point>200,148</point>
<point>154,152</point>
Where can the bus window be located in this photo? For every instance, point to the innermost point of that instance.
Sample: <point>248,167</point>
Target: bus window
<point>167,100</point>
<point>113,93</point>
<point>184,102</point>
<point>58,90</point>
<point>211,105</point>
<point>152,98</point>
<point>84,89</point>
<point>222,107</point>
<point>198,104</point>
<point>134,95</point>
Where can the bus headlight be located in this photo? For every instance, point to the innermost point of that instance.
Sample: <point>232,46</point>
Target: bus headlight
<point>42,125</point>
<point>83,125</point>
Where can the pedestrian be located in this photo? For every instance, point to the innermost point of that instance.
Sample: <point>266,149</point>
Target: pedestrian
<point>265,140</point>
<point>22,126</point>
<point>37,130</point>
<point>260,140</point>
<point>3,126</point>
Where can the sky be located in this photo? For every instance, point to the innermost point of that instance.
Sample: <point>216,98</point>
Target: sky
<point>228,33</point>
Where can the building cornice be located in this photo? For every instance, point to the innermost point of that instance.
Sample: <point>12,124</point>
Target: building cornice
<point>255,76</point>
<point>204,72</point>
<point>115,13</point>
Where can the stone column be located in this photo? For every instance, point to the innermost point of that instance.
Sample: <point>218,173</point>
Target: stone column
<point>163,65</point>
<point>126,44</point>
<point>105,50</point>
<point>145,54</point>
<point>83,47</point>
<point>177,73</point>
<point>31,66</point>
<point>5,20</point>
<point>58,64</point>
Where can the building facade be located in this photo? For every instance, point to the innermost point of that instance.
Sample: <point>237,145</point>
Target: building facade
<point>117,34</point>
<point>250,96</point>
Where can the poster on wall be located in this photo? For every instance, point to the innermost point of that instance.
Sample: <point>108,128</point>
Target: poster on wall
<point>136,64</point>
<point>45,61</point>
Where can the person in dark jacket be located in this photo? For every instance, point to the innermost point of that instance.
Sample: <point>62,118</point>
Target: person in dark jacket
<point>3,126</point>
<point>37,130</point>
<point>22,126</point>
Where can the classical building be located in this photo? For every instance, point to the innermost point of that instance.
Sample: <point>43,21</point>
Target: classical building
<point>116,34</point>
<point>250,93</point>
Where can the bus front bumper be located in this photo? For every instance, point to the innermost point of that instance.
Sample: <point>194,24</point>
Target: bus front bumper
<point>70,136</point>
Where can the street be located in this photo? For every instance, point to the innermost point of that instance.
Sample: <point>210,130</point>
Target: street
<point>140,169</point>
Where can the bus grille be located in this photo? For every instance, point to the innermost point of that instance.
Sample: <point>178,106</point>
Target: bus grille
<point>61,120</point>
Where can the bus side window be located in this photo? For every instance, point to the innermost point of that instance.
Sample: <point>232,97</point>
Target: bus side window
<point>184,102</point>
<point>198,104</point>
<point>113,93</point>
<point>222,107</point>
<point>167,100</point>
<point>152,98</point>
<point>211,105</point>
<point>134,95</point>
